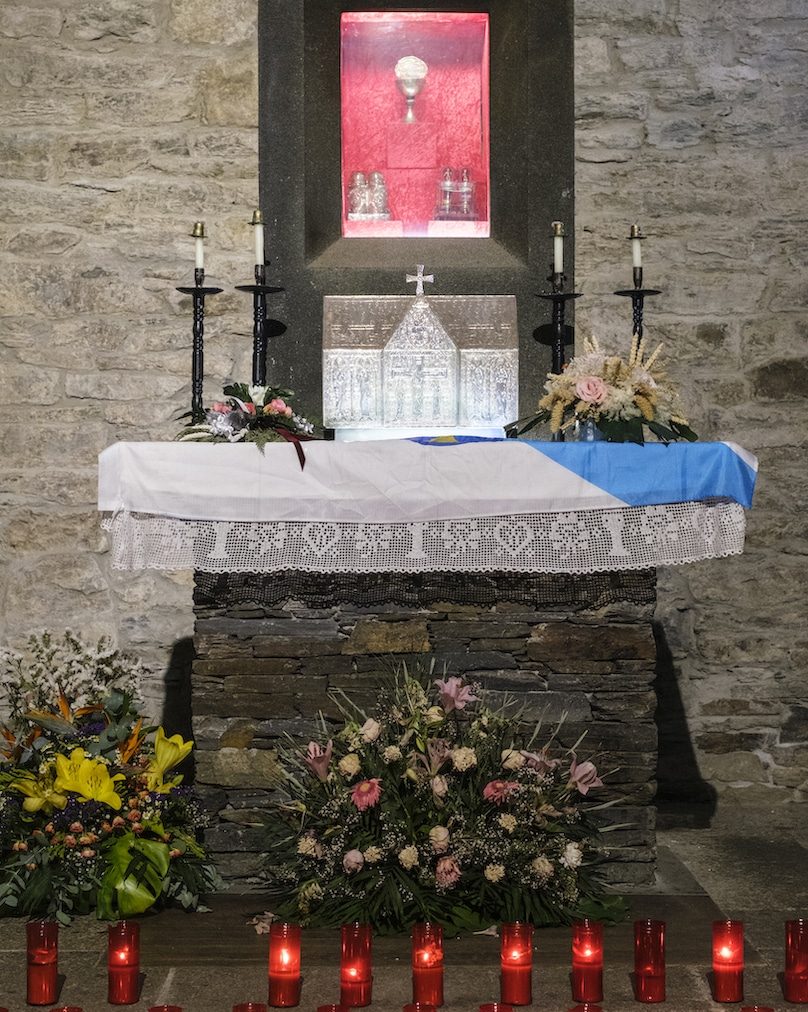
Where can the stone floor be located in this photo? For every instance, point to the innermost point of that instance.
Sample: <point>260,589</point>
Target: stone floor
<point>752,866</point>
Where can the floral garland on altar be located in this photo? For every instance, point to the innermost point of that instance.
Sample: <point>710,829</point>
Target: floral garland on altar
<point>621,397</point>
<point>92,818</point>
<point>434,809</point>
<point>256,414</point>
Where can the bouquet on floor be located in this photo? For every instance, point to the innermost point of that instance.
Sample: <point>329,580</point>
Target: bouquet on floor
<point>93,814</point>
<point>434,808</point>
<point>621,397</point>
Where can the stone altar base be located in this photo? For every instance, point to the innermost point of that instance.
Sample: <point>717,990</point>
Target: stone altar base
<point>271,648</point>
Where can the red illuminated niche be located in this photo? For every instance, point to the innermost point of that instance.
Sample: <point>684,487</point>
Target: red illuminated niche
<point>450,132</point>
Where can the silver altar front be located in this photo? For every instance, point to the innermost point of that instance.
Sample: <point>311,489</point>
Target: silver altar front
<point>396,365</point>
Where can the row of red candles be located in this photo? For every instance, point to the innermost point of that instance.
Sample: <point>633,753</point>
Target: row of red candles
<point>516,961</point>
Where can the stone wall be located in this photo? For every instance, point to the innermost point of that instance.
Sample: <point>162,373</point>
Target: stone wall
<point>122,123</point>
<point>574,654</point>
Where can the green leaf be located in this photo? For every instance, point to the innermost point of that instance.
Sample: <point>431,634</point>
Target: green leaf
<point>134,877</point>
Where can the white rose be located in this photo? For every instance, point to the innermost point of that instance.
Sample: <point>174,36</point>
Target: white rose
<point>349,765</point>
<point>371,730</point>
<point>439,838</point>
<point>512,760</point>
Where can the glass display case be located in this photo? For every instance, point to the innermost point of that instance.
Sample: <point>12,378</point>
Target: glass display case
<point>414,118</point>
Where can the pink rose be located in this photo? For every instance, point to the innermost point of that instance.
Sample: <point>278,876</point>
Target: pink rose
<point>583,776</point>
<point>221,408</point>
<point>453,694</point>
<point>318,758</point>
<point>498,791</point>
<point>353,861</point>
<point>591,389</point>
<point>366,793</point>
<point>447,871</point>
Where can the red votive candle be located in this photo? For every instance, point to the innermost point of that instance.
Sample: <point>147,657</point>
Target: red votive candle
<point>587,960</point>
<point>516,963</point>
<point>250,1006</point>
<point>355,971</point>
<point>123,963</point>
<point>284,964</point>
<point>496,1006</point>
<point>418,1006</point>
<point>796,978</point>
<point>728,960</point>
<point>42,940</point>
<point>649,960</point>
<point>330,1008</point>
<point>427,964</point>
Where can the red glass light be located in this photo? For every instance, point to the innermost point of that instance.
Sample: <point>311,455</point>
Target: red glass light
<point>356,973</point>
<point>796,977</point>
<point>728,961</point>
<point>496,1006</point>
<point>649,960</point>
<point>331,1008</point>
<point>123,963</point>
<point>516,963</point>
<point>418,1007</point>
<point>427,964</point>
<point>587,960</point>
<point>250,1006</point>
<point>284,965</point>
<point>42,938</point>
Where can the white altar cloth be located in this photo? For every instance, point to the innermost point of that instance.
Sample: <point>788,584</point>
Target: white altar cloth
<point>401,506</point>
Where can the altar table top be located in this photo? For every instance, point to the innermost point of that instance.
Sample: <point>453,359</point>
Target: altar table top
<point>423,506</point>
<point>394,481</point>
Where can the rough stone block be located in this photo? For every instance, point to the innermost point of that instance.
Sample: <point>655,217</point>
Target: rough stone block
<point>238,767</point>
<point>370,637</point>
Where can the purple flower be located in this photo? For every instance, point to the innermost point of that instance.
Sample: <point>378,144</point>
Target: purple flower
<point>453,694</point>
<point>318,758</point>
<point>541,762</point>
<point>584,775</point>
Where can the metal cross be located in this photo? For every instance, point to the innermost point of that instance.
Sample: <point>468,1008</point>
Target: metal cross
<point>419,279</point>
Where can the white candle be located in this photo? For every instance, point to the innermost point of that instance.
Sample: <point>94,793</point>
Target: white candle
<point>258,228</point>
<point>199,241</point>
<point>558,247</point>
<point>636,246</point>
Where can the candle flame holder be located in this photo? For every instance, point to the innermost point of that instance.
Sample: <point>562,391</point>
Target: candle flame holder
<point>198,294</point>
<point>259,290</point>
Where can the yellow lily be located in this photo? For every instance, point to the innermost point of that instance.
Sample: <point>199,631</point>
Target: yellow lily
<point>168,753</point>
<point>89,778</point>
<point>40,793</point>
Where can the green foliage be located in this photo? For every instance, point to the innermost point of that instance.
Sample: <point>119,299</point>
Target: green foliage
<point>90,817</point>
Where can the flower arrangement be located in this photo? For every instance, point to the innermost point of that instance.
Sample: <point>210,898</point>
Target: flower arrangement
<point>92,816</point>
<point>433,809</point>
<point>257,414</point>
<point>621,397</point>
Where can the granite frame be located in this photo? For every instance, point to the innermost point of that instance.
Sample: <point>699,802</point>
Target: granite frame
<point>532,128</point>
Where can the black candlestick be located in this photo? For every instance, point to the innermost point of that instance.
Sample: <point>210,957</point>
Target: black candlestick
<point>637,294</point>
<point>559,298</point>
<point>198,292</point>
<point>260,291</point>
